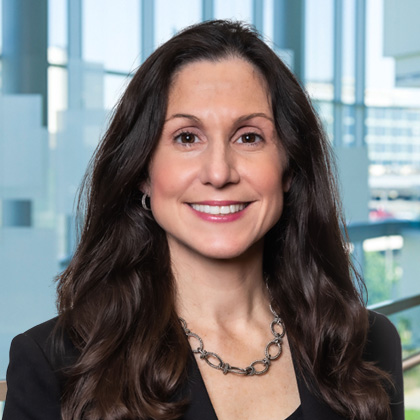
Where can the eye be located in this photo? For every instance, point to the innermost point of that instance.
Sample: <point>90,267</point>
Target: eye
<point>186,138</point>
<point>250,138</point>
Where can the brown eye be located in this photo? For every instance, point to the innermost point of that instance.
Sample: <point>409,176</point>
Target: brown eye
<point>249,138</point>
<point>186,138</point>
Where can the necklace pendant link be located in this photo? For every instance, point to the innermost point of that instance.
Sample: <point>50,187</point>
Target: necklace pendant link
<point>263,362</point>
<point>272,343</point>
<point>250,370</point>
<point>226,368</point>
<point>238,370</point>
<point>279,323</point>
<point>209,354</point>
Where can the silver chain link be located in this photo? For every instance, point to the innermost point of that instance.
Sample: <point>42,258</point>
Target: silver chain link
<point>216,362</point>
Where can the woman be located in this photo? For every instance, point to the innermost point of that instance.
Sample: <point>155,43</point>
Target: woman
<point>212,225</point>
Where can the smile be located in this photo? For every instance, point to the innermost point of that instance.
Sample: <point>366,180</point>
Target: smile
<point>218,210</point>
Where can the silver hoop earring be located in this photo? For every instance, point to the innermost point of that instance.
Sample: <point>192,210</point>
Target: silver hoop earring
<point>144,203</point>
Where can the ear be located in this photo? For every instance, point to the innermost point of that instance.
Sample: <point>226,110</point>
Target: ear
<point>287,181</point>
<point>145,187</point>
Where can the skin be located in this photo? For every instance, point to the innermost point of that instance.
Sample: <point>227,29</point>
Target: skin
<point>218,145</point>
<point>219,148</point>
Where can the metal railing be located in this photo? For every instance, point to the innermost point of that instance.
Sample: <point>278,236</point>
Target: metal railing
<point>358,232</point>
<point>391,307</point>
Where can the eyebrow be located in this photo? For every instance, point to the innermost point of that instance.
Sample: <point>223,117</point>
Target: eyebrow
<point>238,120</point>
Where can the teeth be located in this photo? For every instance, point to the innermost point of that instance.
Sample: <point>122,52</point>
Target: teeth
<point>233,208</point>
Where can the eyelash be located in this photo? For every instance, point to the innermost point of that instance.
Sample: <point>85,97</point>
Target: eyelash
<point>177,138</point>
<point>258,139</point>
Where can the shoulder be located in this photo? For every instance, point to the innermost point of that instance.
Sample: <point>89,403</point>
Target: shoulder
<point>35,375</point>
<point>383,344</point>
<point>383,348</point>
<point>34,344</point>
<point>41,334</point>
<point>31,352</point>
<point>52,341</point>
<point>380,324</point>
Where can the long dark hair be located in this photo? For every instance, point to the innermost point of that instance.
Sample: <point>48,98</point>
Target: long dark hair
<point>116,298</point>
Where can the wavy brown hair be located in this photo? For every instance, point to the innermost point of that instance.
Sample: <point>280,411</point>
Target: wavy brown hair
<point>116,298</point>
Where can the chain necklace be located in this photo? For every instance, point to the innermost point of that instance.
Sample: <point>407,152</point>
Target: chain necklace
<point>251,369</point>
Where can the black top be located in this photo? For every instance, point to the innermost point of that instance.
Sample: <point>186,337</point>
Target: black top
<point>296,415</point>
<point>200,400</point>
<point>35,383</point>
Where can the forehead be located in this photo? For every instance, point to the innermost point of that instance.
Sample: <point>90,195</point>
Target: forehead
<point>230,75</point>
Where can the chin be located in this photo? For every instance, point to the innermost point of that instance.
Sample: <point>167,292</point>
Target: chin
<point>223,255</point>
<point>228,252</point>
<point>215,248</point>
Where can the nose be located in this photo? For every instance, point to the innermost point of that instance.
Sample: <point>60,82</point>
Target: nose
<point>219,165</point>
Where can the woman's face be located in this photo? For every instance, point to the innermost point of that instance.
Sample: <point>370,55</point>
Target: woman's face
<point>216,178</point>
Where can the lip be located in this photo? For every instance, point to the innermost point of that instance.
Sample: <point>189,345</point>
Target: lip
<point>219,211</point>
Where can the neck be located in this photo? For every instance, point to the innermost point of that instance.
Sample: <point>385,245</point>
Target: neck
<point>219,291</point>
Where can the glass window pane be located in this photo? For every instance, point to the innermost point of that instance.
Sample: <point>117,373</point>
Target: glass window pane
<point>326,114</point>
<point>111,34</point>
<point>114,86</point>
<point>57,23</point>
<point>268,21</point>
<point>380,70</point>
<point>409,329</point>
<point>411,392</point>
<point>57,32</point>
<point>319,38</point>
<point>1,27</point>
<point>233,9</point>
<point>348,79</point>
<point>170,17</point>
<point>57,97</point>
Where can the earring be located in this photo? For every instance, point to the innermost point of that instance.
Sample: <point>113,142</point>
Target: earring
<point>144,203</point>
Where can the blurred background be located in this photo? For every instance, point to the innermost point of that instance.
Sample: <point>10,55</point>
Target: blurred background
<point>64,64</point>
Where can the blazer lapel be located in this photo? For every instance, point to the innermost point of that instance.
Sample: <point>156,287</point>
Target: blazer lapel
<point>312,407</point>
<point>200,406</point>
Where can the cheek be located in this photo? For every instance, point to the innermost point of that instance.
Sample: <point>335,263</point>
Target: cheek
<point>271,187</point>
<point>168,178</point>
<point>270,179</point>
<point>163,192</point>
<point>162,184</point>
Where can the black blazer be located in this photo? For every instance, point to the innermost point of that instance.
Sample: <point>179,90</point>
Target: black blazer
<point>35,383</point>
